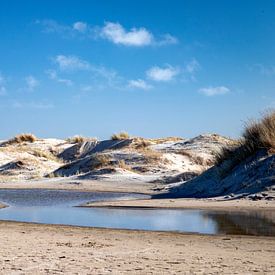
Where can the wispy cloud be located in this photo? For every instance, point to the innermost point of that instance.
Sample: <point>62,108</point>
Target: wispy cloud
<point>165,74</point>
<point>190,70</point>
<point>139,84</point>
<point>51,26</point>
<point>31,82</point>
<point>265,70</point>
<point>212,91</point>
<point>98,76</point>
<point>80,26</point>
<point>71,63</point>
<point>167,39</point>
<point>75,63</point>
<point>53,75</point>
<point>32,105</point>
<point>192,67</point>
<point>3,90</point>
<point>111,31</point>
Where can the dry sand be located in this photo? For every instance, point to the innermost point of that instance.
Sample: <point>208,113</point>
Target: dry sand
<point>55,249</point>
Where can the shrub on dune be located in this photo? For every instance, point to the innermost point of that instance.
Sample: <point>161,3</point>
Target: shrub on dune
<point>257,135</point>
<point>22,138</point>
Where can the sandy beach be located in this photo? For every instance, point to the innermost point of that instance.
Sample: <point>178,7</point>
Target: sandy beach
<point>85,185</point>
<point>55,249</point>
<point>182,203</point>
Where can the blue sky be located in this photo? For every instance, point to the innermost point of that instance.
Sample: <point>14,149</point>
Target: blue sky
<point>152,68</point>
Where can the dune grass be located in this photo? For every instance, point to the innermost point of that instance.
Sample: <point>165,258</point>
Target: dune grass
<point>257,135</point>
<point>25,137</point>
<point>120,136</point>
<point>79,139</point>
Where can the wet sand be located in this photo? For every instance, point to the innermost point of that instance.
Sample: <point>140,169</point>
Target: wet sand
<point>215,204</point>
<point>59,249</point>
<point>85,185</point>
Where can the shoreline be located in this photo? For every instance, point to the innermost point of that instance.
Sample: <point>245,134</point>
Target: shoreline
<point>183,203</point>
<point>143,188</point>
<point>216,203</point>
<point>67,249</point>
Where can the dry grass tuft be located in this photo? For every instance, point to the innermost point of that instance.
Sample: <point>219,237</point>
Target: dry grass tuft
<point>44,154</point>
<point>195,159</point>
<point>120,136</point>
<point>150,156</point>
<point>22,138</point>
<point>79,139</point>
<point>123,165</point>
<point>257,135</point>
<point>100,160</point>
<point>141,143</point>
<point>165,139</point>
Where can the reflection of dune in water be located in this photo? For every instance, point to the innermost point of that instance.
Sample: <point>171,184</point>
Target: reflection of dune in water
<point>244,222</point>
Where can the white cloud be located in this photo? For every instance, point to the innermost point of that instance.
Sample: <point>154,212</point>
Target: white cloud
<point>212,91</point>
<point>31,82</point>
<point>71,63</point>
<point>53,75</point>
<point>118,35</point>
<point>80,26</point>
<point>166,73</point>
<point>139,84</point>
<point>111,31</point>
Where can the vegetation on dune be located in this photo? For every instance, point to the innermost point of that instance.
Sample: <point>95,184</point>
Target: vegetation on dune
<point>257,135</point>
<point>22,138</point>
<point>44,154</point>
<point>79,139</point>
<point>195,159</point>
<point>123,165</point>
<point>140,143</point>
<point>100,160</point>
<point>150,156</point>
<point>120,136</point>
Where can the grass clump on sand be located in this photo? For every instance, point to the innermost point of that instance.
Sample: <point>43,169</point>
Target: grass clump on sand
<point>22,138</point>
<point>150,156</point>
<point>257,135</point>
<point>120,136</point>
<point>100,160</point>
<point>79,139</point>
<point>123,165</point>
<point>140,143</point>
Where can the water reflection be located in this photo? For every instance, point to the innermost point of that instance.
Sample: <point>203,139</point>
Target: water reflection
<point>258,222</point>
<point>55,207</point>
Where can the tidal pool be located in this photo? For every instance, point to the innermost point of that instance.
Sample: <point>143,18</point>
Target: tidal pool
<point>57,207</point>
